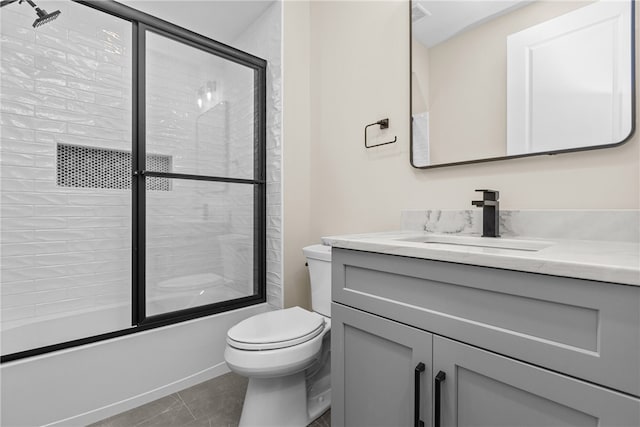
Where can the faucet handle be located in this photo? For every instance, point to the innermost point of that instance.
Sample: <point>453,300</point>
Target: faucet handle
<point>490,194</point>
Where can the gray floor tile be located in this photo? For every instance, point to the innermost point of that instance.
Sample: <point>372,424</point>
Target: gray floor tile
<point>142,413</point>
<point>214,403</point>
<point>199,423</point>
<point>220,409</point>
<point>176,416</point>
<point>219,399</point>
<point>323,421</point>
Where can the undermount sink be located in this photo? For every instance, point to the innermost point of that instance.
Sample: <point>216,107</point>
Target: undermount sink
<point>483,242</point>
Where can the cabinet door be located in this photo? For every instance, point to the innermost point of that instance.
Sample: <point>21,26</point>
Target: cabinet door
<point>373,378</point>
<point>485,389</point>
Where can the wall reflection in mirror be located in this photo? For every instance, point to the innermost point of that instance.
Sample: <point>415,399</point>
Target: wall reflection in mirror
<point>496,79</point>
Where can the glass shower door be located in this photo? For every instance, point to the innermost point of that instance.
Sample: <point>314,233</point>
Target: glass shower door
<point>66,146</point>
<point>203,200</point>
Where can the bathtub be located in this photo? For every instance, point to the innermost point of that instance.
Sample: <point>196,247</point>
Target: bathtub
<point>84,384</point>
<point>25,334</point>
<point>169,295</point>
<point>190,291</point>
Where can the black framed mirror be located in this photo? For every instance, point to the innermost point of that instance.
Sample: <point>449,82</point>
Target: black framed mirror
<point>494,80</point>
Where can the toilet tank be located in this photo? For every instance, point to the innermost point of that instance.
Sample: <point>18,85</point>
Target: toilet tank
<point>319,260</point>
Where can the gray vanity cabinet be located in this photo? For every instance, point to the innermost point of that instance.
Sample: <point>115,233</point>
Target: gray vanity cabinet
<point>485,389</point>
<point>516,348</point>
<point>374,373</point>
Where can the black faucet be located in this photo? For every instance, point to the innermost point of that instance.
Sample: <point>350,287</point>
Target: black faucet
<point>490,212</point>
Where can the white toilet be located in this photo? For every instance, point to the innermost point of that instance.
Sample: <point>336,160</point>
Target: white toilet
<point>286,355</point>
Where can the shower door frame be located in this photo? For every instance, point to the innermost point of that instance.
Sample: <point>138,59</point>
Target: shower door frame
<point>141,23</point>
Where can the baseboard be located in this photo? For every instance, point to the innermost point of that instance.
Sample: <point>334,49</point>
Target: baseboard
<point>135,401</point>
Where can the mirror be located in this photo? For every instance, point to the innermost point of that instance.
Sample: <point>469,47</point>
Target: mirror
<point>492,80</point>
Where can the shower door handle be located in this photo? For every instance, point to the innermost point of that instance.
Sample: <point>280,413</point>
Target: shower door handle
<point>420,368</point>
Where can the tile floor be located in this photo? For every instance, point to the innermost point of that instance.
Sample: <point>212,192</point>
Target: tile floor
<point>213,403</point>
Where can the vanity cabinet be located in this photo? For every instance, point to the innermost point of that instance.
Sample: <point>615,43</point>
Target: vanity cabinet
<point>516,348</point>
<point>380,363</point>
<point>482,388</point>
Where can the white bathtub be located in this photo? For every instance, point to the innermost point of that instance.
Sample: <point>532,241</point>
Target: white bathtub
<point>85,384</point>
<point>190,291</point>
<point>25,334</point>
<point>170,295</point>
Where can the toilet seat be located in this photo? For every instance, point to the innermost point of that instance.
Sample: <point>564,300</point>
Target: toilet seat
<point>276,362</point>
<point>276,329</point>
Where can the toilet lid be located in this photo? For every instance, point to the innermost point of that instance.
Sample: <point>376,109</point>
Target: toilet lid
<point>276,329</point>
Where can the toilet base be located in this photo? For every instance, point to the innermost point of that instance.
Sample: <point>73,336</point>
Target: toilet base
<point>282,402</point>
<point>279,401</point>
<point>318,404</point>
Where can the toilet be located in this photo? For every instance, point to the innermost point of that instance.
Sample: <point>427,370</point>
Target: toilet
<point>286,355</point>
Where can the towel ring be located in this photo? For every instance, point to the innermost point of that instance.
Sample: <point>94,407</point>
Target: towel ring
<point>384,124</point>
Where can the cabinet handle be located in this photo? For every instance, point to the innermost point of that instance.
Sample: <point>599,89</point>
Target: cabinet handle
<point>440,377</point>
<point>420,368</point>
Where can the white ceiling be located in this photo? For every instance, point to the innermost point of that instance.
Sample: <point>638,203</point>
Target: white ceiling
<point>446,18</point>
<point>219,20</point>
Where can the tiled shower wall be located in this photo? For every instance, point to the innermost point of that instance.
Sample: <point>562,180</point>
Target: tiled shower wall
<point>65,249</point>
<point>264,39</point>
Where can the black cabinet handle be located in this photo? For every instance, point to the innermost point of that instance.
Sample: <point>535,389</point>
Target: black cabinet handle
<point>440,377</point>
<point>420,368</point>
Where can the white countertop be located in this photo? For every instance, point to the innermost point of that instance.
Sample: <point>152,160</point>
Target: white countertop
<point>616,262</point>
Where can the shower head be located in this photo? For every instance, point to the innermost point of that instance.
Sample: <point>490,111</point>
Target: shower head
<point>44,17</point>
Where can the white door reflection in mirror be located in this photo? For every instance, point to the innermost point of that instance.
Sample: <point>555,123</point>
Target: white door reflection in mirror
<point>569,80</point>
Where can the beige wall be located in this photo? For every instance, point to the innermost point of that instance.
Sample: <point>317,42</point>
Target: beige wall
<point>296,160</point>
<point>360,73</point>
<point>419,77</point>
